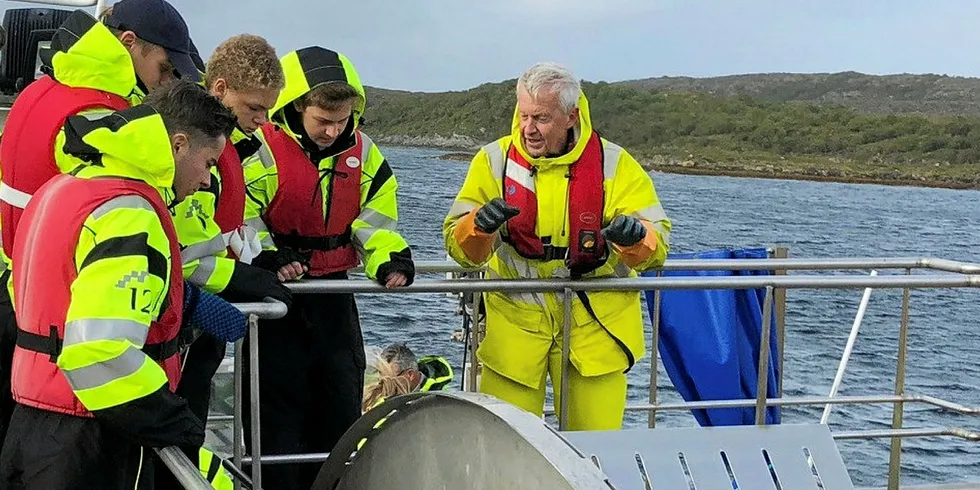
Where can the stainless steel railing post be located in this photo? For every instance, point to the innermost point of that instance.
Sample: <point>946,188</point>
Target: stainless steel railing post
<point>763,385</point>
<point>566,334</point>
<point>654,355</point>
<point>237,430</point>
<point>253,377</point>
<point>898,413</point>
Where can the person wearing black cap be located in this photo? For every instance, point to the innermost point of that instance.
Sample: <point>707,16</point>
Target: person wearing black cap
<point>89,69</point>
<point>161,48</point>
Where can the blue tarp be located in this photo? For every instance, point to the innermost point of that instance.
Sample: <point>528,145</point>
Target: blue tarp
<point>709,341</point>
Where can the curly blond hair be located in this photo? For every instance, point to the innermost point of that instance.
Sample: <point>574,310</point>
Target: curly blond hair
<point>246,62</point>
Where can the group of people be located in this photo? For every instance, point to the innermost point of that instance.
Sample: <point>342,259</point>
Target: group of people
<point>144,190</point>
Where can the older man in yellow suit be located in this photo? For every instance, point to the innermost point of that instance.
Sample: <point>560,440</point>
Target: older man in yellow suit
<point>554,199</point>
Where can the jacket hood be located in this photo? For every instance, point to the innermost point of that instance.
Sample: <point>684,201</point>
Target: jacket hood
<point>84,53</point>
<point>584,127</point>
<point>437,371</point>
<point>132,143</point>
<point>307,68</point>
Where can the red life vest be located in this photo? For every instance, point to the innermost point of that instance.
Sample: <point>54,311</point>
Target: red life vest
<point>45,256</point>
<point>295,215</point>
<point>587,248</point>
<point>27,146</point>
<point>230,212</point>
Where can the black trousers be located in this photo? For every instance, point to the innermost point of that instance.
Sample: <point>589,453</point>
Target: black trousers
<point>311,381</point>
<point>52,451</point>
<point>201,362</point>
<point>8,338</point>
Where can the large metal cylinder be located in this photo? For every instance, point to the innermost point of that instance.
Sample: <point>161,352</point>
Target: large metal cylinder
<point>455,441</point>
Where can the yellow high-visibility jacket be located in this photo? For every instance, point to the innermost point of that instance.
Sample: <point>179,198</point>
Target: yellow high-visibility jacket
<point>522,326</point>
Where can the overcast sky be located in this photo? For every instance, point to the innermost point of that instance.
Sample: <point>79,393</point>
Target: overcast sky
<point>435,45</point>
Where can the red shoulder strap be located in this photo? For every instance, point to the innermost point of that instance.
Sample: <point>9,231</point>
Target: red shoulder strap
<point>585,206</point>
<point>230,212</point>
<point>345,188</point>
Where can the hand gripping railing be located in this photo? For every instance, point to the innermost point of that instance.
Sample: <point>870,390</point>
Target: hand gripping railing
<point>966,275</point>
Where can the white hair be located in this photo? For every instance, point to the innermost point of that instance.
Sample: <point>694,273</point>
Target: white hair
<point>551,76</point>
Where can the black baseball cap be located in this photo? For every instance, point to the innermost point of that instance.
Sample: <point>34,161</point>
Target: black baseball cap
<point>158,22</point>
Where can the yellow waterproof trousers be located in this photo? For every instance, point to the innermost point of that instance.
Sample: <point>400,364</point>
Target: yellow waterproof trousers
<point>594,402</point>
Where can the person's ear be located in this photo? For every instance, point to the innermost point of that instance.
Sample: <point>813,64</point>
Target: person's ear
<point>219,88</point>
<point>180,144</point>
<point>128,40</point>
<point>572,118</point>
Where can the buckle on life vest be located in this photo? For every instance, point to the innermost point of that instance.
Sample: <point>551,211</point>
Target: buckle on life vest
<point>554,253</point>
<point>45,344</point>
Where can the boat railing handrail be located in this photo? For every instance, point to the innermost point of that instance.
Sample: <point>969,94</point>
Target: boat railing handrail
<point>475,285</point>
<point>964,275</point>
<point>184,471</point>
<point>795,264</point>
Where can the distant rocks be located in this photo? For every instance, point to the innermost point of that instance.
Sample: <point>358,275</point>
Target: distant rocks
<point>456,156</point>
<point>455,142</point>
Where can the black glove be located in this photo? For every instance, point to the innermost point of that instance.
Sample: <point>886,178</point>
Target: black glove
<point>494,214</point>
<point>250,283</point>
<point>273,260</point>
<point>624,231</point>
<point>400,262</point>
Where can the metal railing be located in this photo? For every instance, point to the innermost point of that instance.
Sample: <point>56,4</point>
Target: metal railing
<point>964,275</point>
<point>186,473</point>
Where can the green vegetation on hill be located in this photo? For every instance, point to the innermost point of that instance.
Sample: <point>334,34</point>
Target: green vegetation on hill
<point>874,94</point>
<point>700,133</point>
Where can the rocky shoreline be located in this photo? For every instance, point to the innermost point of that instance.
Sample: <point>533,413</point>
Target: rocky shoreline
<point>462,148</point>
<point>815,176</point>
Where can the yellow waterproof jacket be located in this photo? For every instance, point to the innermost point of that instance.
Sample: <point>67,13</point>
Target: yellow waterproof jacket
<point>95,60</point>
<point>133,145</point>
<point>522,326</point>
<point>204,250</point>
<point>125,143</point>
<point>374,232</point>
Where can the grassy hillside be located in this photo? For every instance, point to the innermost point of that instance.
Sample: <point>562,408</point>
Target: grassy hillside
<point>701,133</point>
<point>889,94</point>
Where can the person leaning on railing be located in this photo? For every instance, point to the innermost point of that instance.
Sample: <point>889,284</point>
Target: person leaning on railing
<point>92,68</point>
<point>554,199</point>
<point>244,73</point>
<point>323,199</point>
<point>102,309</point>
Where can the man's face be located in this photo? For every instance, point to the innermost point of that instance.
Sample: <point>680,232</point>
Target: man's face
<point>251,107</point>
<point>544,125</point>
<point>325,126</point>
<point>150,62</point>
<point>194,159</point>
